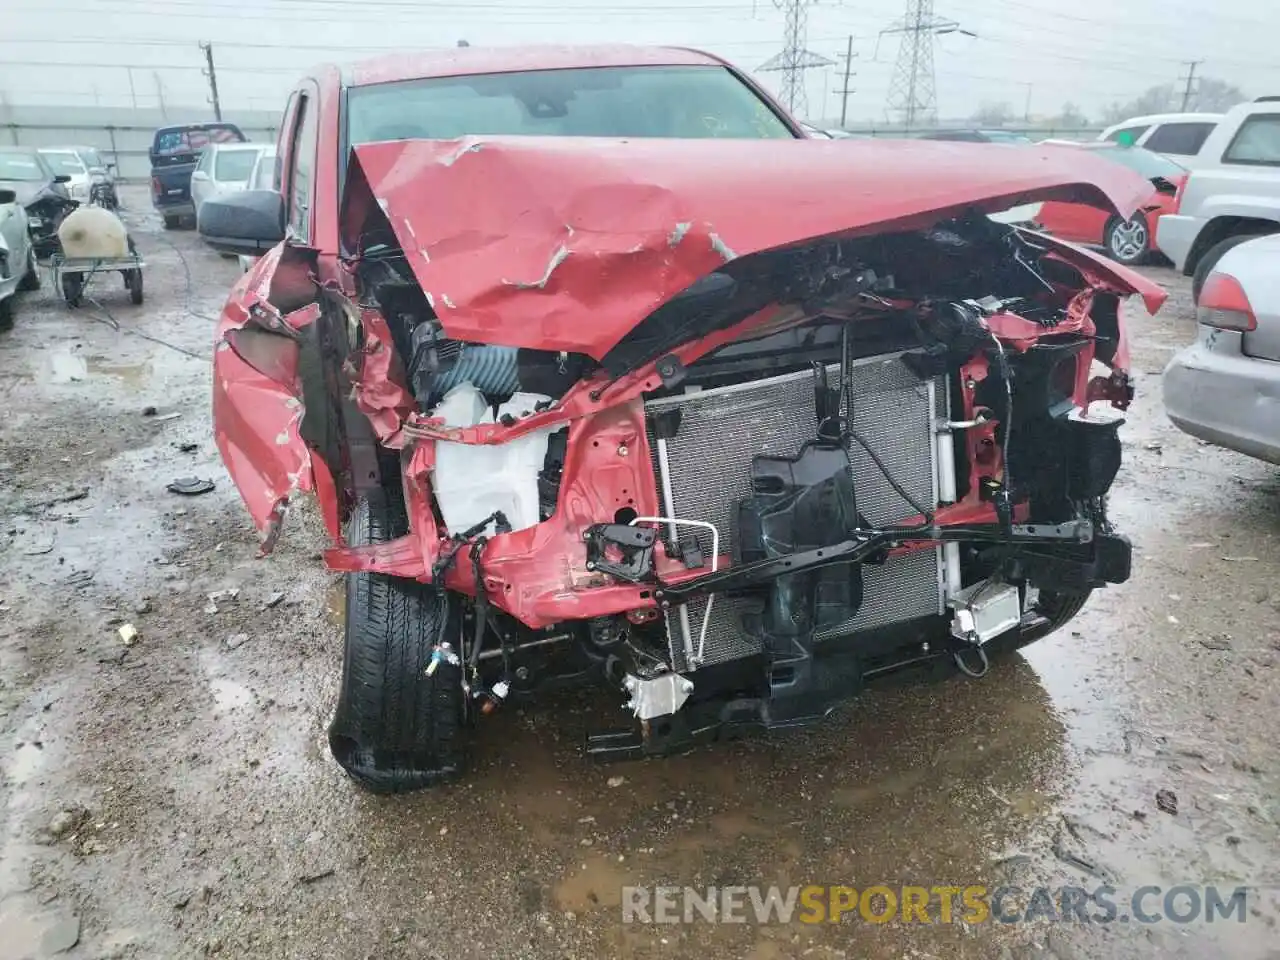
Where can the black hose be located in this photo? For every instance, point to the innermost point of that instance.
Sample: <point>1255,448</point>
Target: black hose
<point>846,389</point>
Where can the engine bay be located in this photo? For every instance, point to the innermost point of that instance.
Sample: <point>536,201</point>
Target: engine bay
<point>775,478</point>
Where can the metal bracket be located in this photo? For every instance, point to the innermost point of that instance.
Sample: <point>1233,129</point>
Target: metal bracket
<point>635,544</point>
<point>658,696</point>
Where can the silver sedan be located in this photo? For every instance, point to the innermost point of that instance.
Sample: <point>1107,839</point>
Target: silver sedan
<point>1225,387</point>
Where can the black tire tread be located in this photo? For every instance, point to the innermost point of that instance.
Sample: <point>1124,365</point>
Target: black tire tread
<point>31,281</point>
<point>1058,608</point>
<point>395,729</point>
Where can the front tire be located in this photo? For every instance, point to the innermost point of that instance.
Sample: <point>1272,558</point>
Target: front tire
<point>1056,608</point>
<point>395,728</point>
<point>31,279</point>
<point>1128,241</point>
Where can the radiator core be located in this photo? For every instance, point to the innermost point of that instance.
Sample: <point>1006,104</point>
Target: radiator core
<point>707,467</point>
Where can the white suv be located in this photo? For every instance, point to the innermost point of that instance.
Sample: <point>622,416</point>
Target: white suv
<point>1232,195</point>
<point>1179,136</point>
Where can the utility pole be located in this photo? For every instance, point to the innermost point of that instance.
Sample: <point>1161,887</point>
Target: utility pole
<point>912,91</point>
<point>1026,112</point>
<point>213,79</point>
<point>794,59</point>
<point>1190,78</point>
<point>164,110</point>
<point>846,90</point>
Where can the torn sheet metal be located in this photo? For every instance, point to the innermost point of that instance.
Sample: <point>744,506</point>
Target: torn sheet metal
<point>567,243</point>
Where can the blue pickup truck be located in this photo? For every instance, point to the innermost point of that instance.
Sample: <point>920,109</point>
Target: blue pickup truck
<point>175,151</point>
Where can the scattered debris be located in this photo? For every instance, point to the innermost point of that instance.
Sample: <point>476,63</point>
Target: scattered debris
<point>168,416</point>
<point>69,496</point>
<point>274,600</point>
<point>180,899</point>
<point>78,579</point>
<point>1062,850</point>
<point>318,875</point>
<point>149,411</point>
<point>616,781</point>
<point>40,551</point>
<point>1174,620</point>
<point>128,634</point>
<point>237,640</point>
<point>190,486</point>
<point>187,447</point>
<point>142,606</point>
<point>231,593</point>
<point>1167,801</point>
<point>66,821</point>
<point>1241,559</point>
<point>1155,446</point>
<point>1219,641</point>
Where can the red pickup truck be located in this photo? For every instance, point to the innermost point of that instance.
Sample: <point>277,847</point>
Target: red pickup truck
<point>602,372</point>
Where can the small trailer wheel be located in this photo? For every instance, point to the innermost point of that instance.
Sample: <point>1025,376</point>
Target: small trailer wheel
<point>133,280</point>
<point>72,288</point>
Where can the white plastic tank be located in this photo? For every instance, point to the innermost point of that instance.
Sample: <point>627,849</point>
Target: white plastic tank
<point>471,481</point>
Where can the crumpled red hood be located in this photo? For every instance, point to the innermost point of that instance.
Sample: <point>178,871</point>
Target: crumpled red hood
<point>567,244</point>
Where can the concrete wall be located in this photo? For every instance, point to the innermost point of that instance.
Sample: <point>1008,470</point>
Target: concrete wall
<point>123,135</point>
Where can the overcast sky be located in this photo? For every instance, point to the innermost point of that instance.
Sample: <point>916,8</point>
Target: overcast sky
<point>1090,52</point>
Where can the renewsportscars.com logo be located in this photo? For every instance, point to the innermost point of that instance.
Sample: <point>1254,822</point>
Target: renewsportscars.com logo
<point>972,904</point>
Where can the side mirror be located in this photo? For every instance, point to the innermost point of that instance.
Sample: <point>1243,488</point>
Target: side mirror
<point>8,196</point>
<point>111,166</point>
<point>98,171</point>
<point>249,222</point>
<point>62,178</point>
<point>200,175</point>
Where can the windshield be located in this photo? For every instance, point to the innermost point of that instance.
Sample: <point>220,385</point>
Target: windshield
<point>680,102</point>
<point>1150,165</point>
<point>234,165</point>
<point>21,166</point>
<point>63,162</point>
<point>264,173</point>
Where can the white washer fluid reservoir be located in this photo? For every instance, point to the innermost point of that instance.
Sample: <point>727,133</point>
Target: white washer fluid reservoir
<point>472,481</point>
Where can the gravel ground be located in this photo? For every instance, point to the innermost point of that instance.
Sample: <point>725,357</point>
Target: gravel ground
<point>175,798</point>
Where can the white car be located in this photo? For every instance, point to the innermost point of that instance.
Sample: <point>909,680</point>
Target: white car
<point>1225,387</point>
<point>1179,136</point>
<point>17,256</point>
<point>223,168</point>
<point>264,176</point>
<point>84,165</point>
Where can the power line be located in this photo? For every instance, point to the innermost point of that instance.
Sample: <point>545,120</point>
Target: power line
<point>795,59</point>
<point>1190,78</point>
<point>913,91</point>
<point>212,74</point>
<point>846,90</point>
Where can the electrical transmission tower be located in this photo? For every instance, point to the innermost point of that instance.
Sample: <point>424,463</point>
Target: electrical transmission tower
<point>794,59</point>
<point>912,92</point>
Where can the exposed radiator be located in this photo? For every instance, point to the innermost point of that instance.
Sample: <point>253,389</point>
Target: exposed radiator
<point>707,466</point>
